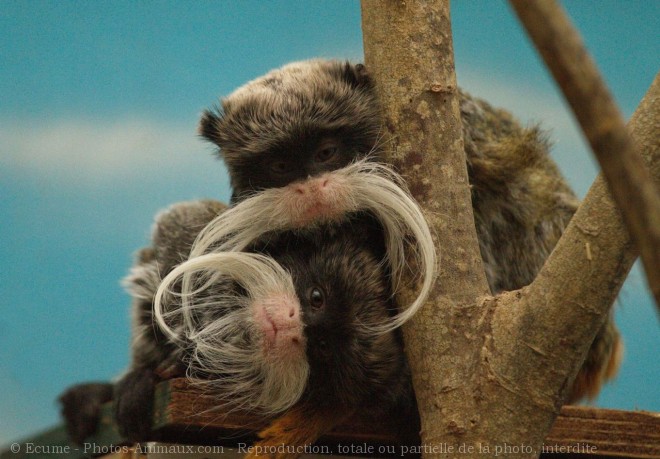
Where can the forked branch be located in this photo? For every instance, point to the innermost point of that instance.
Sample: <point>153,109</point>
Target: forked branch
<point>487,371</point>
<point>549,330</point>
<point>629,180</point>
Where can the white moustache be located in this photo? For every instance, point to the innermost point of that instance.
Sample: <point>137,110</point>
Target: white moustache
<point>219,327</point>
<point>362,186</point>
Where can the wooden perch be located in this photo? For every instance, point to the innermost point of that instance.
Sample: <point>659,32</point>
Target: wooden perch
<point>628,178</point>
<point>181,416</point>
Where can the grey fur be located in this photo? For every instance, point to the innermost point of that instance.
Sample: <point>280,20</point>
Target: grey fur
<point>316,94</point>
<point>172,236</point>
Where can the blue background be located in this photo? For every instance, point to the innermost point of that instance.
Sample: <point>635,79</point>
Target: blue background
<point>98,109</point>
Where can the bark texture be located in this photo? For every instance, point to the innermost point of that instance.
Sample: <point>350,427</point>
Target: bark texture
<point>490,373</point>
<point>409,51</point>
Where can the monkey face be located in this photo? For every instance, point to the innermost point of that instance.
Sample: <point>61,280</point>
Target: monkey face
<point>265,331</point>
<point>343,288</point>
<point>236,317</point>
<point>295,122</point>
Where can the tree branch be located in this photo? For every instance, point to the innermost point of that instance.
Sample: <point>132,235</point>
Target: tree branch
<point>487,372</point>
<point>541,334</point>
<point>632,187</point>
<point>418,95</point>
<point>409,52</point>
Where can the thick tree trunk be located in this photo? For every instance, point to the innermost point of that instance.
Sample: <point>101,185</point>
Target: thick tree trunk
<point>409,51</point>
<point>490,374</point>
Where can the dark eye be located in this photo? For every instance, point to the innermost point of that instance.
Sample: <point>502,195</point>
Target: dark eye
<point>326,153</point>
<point>279,167</point>
<point>316,298</point>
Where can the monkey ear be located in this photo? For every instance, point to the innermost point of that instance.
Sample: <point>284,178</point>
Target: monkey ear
<point>356,75</point>
<point>208,125</point>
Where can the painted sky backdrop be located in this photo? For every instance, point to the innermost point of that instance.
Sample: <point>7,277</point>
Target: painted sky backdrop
<point>99,103</point>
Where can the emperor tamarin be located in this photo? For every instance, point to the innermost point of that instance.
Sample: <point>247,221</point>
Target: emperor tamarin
<point>288,334</point>
<point>294,126</point>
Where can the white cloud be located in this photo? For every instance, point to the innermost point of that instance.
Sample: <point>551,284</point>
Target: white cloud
<point>93,151</point>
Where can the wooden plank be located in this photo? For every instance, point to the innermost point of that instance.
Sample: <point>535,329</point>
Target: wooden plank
<point>180,405</point>
<point>610,432</point>
<point>583,430</point>
<point>182,416</point>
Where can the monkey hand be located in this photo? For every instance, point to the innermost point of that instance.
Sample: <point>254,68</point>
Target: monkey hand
<point>289,435</point>
<point>81,408</point>
<point>133,404</point>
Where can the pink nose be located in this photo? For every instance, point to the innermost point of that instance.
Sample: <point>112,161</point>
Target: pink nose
<point>312,185</point>
<point>285,316</point>
<point>278,318</point>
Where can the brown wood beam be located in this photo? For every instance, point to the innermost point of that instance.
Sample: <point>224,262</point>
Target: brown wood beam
<point>182,416</point>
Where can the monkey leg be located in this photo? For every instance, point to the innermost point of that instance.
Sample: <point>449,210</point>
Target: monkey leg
<point>601,364</point>
<point>300,426</point>
<point>81,408</point>
<point>133,403</point>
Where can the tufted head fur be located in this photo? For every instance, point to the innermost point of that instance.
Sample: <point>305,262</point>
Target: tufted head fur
<point>290,110</point>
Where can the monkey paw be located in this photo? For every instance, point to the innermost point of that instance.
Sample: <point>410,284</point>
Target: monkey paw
<point>81,408</point>
<point>133,404</point>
